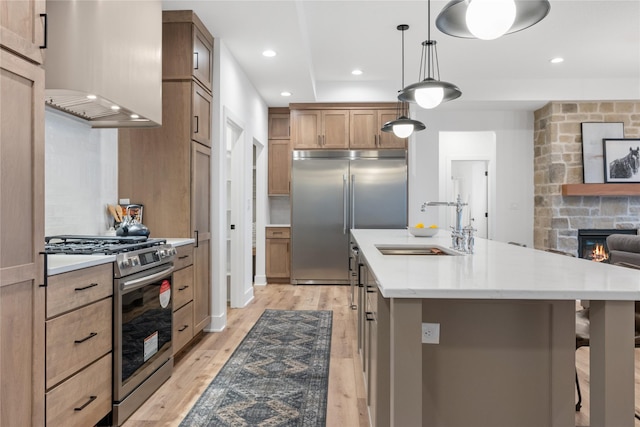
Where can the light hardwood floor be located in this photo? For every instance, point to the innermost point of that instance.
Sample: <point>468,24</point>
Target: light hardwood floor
<point>346,405</point>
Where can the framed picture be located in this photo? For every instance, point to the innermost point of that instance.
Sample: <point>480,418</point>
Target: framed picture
<point>621,159</point>
<point>592,156</point>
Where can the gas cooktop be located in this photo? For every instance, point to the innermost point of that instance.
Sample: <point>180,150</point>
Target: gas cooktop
<point>105,245</point>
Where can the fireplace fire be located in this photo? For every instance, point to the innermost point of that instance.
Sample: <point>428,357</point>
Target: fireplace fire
<point>599,254</point>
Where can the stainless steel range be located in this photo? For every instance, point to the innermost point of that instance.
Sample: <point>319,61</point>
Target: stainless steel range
<point>142,312</point>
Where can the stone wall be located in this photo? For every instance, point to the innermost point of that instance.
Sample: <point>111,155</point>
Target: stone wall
<point>558,160</point>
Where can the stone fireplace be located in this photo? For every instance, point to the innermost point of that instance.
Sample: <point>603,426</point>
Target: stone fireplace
<point>592,243</point>
<point>558,161</point>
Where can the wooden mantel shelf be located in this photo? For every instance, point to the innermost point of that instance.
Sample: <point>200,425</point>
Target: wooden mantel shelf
<point>601,189</point>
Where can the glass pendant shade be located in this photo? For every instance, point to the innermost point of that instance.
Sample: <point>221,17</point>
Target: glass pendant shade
<point>403,127</point>
<point>429,97</point>
<point>490,19</point>
<point>459,19</point>
<point>402,131</point>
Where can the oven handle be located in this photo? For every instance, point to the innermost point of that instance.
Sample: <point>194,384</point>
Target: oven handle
<point>130,285</point>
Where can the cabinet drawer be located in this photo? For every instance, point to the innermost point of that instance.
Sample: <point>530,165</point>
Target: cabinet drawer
<point>278,233</point>
<point>182,327</point>
<point>76,339</point>
<point>69,291</point>
<point>184,257</point>
<point>182,287</point>
<point>83,399</point>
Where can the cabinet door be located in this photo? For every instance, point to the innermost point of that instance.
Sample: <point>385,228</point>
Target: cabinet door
<point>278,254</point>
<point>202,58</point>
<point>201,126</point>
<point>279,166</point>
<point>389,139</point>
<point>363,132</point>
<point>279,126</point>
<point>306,129</point>
<point>335,129</point>
<point>201,223</point>
<point>21,240</point>
<point>22,27</point>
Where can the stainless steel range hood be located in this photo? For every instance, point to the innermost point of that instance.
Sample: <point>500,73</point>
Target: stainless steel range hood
<point>104,61</point>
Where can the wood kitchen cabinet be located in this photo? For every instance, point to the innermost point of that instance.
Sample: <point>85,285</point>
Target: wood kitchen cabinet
<point>78,353</point>
<point>365,130</point>
<point>278,249</point>
<point>343,126</point>
<point>22,299</point>
<point>168,169</point>
<point>22,28</point>
<point>320,129</point>
<point>183,290</point>
<point>187,48</point>
<point>279,152</point>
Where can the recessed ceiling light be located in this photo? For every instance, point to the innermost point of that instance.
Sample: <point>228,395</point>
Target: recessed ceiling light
<point>356,72</point>
<point>556,60</point>
<point>269,53</point>
<point>134,116</point>
<point>115,107</point>
<point>91,97</point>
<point>285,93</point>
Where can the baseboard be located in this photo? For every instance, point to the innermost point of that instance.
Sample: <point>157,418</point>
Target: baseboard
<point>217,323</point>
<point>260,280</point>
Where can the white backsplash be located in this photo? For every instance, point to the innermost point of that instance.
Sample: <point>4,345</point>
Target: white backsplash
<point>81,175</point>
<point>279,210</point>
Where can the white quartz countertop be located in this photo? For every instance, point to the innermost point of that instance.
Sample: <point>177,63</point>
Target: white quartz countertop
<point>495,271</point>
<point>278,225</point>
<point>61,263</point>
<point>178,241</point>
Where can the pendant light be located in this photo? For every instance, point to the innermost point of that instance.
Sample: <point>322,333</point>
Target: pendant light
<point>430,91</point>
<point>403,126</point>
<point>490,19</point>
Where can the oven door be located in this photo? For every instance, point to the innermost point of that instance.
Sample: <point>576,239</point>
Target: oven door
<point>142,327</point>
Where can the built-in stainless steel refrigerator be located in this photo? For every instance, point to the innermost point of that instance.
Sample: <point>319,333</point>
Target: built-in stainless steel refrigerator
<point>333,192</point>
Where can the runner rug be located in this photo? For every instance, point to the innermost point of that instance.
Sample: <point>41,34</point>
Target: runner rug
<point>277,376</point>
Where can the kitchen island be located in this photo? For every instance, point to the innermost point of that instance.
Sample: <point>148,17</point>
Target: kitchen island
<point>506,351</point>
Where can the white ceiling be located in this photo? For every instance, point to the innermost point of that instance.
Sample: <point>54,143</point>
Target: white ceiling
<point>319,42</point>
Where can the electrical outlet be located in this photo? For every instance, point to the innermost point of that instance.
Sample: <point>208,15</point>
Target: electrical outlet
<point>431,333</point>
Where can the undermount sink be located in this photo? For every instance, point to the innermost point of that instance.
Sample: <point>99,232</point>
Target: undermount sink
<point>415,250</point>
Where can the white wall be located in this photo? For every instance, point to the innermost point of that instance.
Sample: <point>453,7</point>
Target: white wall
<point>514,167</point>
<point>236,100</point>
<point>81,175</point>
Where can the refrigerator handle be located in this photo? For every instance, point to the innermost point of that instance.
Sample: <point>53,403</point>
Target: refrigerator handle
<point>345,203</point>
<point>353,201</point>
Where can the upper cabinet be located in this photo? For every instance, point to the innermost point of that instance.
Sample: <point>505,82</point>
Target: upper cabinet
<point>187,48</point>
<point>326,129</point>
<point>22,27</point>
<point>343,126</point>
<point>279,152</point>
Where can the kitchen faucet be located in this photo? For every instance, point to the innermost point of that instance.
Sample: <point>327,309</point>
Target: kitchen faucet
<point>461,239</point>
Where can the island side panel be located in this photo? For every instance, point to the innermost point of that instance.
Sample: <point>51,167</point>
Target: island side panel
<point>612,363</point>
<point>405,354</point>
<point>496,361</point>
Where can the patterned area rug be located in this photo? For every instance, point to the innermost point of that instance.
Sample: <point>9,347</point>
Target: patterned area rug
<point>278,375</point>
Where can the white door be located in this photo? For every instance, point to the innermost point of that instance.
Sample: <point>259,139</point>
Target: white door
<point>234,196</point>
<point>469,179</point>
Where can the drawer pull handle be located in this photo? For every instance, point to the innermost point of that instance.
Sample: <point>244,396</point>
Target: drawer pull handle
<point>183,328</point>
<point>371,290</point>
<point>91,335</point>
<point>369,316</point>
<point>91,399</point>
<point>84,288</point>
<point>183,257</point>
<point>183,288</point>
<point>196,60</point>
